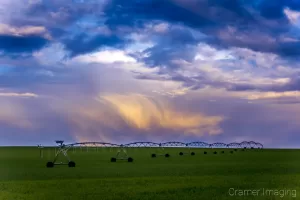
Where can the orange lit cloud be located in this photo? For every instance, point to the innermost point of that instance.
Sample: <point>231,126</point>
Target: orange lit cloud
<point>141,115</point>
<point>274,95</point>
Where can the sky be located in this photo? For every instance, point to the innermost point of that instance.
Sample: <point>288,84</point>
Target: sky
<point>150,70</point>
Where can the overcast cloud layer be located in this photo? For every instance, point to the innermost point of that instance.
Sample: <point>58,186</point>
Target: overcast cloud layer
<point>150,70</point>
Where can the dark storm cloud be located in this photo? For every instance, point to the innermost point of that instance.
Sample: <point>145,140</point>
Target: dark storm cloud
<point>163,56</point>
<point>21,44</point>
<point>257,40</point>
<point>136,13</point>
<point>59,13</point>
<point>171,43</point>
<point>274,8</point>
<point>60,18</point>
<point>291,49</point>
<point>83,43</point>
<point>252,21</point>
<point>292,85</point>
<point>193,13</point>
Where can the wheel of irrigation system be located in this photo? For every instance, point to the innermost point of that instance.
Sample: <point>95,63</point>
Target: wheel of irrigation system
<point>231,151</point>
<point>235,149</point>
<point>113,159</point>
<point>130,159</point>
<point>71,164</point>
<point>223,152</point>
<point>167,155</point>
<point>205,152</point>
<point>215,152</point>
<point>181,154</point>
<point>193,153</point>
<point>50,164</point>
<point>153,155</point>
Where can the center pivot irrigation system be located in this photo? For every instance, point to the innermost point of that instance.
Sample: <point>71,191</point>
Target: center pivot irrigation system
<point>159,147</point>
<point>62,150</point>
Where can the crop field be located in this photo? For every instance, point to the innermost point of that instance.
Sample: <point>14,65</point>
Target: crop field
<point>24,175</point>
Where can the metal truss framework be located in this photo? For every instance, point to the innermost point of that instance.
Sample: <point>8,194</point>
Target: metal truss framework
<point>218,145</point>
<point>244,144</point>
<point>251,144</point>
<point>122,153</point>
<point>62,150</point>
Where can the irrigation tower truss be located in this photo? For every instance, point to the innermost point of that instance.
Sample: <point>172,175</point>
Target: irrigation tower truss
<point>122,153</point>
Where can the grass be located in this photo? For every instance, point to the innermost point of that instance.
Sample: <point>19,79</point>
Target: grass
<point>24,176</point>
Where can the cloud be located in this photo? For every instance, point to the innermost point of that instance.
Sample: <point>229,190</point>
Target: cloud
<point>83,43</point>
<point>174,92</point>
<point>11,94</point>
<point>105,69</point>
<point>288,85</point>
<point>225,23</point>
<point>290,97</point>
<point>114,116</point>
<point>293,16</point>
<point>20,44</point>
<point>140,112</point>
<point>106,56</point>
<point>169,42</point>
<point>236,69</point>
<point>6,29</point>
<point>52,55</point>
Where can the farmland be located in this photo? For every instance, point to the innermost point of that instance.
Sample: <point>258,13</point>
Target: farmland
<point>24,175</point>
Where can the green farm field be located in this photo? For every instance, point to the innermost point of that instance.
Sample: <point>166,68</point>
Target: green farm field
<point>24,176</point>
